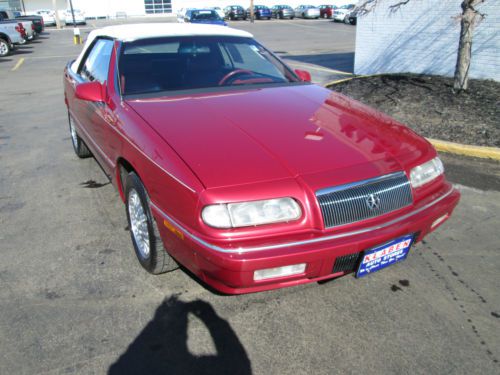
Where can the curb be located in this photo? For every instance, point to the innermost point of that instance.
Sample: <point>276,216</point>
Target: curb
<point>467,150</point>
<point>349,79</point>
<point>445,146</point>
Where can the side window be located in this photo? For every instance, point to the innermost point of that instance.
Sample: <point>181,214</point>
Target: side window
<point>96,65</point>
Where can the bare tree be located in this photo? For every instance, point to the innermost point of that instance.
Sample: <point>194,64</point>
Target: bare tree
<point>469,18</point>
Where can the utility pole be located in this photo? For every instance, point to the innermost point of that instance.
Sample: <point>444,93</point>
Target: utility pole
<point>252,13</point>
<point>72,12</point>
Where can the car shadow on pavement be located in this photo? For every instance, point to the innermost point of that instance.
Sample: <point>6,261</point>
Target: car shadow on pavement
<point>161,348</point>
<point>23,51</point>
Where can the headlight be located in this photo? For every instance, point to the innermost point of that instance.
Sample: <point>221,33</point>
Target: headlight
<point>235,215</point>
<point>426,172</point>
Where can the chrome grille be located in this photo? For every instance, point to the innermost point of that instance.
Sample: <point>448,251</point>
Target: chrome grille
<point>365,199</point>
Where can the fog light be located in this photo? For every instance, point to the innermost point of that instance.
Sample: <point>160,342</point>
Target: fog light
<point>440,220</point>
<point>270,273</point>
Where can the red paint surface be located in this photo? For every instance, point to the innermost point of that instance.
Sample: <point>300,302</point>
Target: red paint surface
<point>251,144</point>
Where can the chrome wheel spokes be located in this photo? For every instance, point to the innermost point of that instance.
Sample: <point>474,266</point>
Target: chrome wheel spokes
<point>138,223</point>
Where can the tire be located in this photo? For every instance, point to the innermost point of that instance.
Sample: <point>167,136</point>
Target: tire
<point>149,250</point>
<point>292,18</point>
<point>4,48</point>
<point>81,149</point>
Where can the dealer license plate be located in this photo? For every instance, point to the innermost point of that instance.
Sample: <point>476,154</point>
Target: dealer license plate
<point>383,256</point>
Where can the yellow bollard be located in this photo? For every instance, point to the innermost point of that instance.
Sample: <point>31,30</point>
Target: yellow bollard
<point>77,38</point>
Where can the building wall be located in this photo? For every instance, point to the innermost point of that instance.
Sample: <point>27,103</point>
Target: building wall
<point>109,8</point>
<point>422,37</point>
<point>32,5</point>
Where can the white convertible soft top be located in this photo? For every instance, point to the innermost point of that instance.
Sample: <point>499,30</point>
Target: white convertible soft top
<point>131,32</point>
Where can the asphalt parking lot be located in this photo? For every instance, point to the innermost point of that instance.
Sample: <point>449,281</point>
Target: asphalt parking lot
<point>73,298</point>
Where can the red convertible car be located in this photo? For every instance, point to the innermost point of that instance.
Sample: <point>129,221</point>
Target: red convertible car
<point>238,168</point>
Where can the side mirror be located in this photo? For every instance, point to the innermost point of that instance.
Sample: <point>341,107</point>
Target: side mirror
<point>304,75</point>
<point>90,91</point>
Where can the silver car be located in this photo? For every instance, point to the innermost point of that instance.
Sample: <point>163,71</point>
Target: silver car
<point>283,11</point>
<point>307,11</point>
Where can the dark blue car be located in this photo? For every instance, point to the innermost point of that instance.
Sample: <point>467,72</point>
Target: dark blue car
<point>206,16</point>
<point>261,12</point>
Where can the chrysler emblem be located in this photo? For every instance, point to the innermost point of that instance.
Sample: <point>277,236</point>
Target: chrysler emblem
<point>373,202</point>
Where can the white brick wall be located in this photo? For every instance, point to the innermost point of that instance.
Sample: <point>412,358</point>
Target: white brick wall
<point>422,37</point>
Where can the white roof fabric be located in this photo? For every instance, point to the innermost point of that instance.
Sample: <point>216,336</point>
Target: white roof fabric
<point>131,32</point>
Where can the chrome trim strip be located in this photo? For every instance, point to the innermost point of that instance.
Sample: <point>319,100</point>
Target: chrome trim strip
<point>329,190</point>
<point>242,250</point>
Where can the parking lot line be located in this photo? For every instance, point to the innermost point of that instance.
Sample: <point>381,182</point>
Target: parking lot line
<point>18,64</point>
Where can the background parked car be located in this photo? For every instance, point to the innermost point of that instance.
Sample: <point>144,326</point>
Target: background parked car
<point>235,12</point>
<point>10,33</point>
<point>219,11</point>
<point>352,18</point>
<point>326,11</point>
<point>260,12</point>
<point>283,11</point>
<point>79,17</point>
<point>341,13</point>
<point>28,24</point>
<point>181,14</point>
<point>307,11</point>
<point>48,16</point>
<point>38,24</point>
<point>205,16</point>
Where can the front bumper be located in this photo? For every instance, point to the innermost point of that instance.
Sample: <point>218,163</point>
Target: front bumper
<point>231,270</point>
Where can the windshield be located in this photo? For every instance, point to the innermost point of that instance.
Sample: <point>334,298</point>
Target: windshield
<point>205,15</point>
<point>196,62</point>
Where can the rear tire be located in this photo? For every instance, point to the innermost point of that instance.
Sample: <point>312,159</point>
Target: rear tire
<point>4,48</point>
<point>144,232</point>
<point>81,149</point>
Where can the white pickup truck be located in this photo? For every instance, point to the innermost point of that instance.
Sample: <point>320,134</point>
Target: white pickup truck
<point>8,16</point>
<point>10,34</point>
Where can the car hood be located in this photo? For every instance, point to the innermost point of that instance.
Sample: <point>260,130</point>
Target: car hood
<point>247,136</point>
